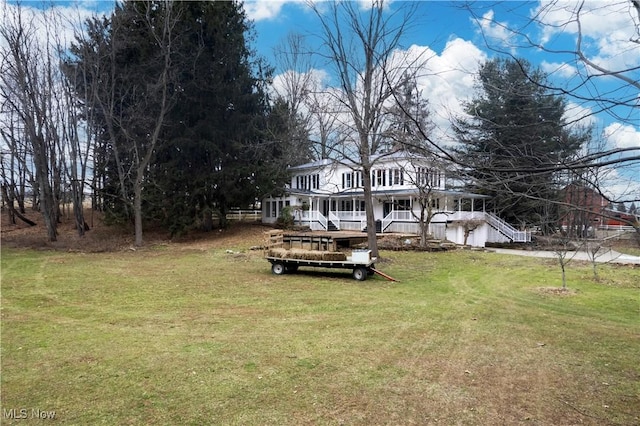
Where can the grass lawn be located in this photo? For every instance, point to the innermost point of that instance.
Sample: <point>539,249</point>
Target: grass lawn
<point>177,335</point>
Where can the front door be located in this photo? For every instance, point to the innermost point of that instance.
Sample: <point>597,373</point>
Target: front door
<point>325,207</point>
<point>387,207</point>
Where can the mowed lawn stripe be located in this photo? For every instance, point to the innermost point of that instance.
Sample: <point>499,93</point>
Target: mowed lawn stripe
<point>205,336</point>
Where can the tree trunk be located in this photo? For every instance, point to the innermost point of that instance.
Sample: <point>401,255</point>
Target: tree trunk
<point>48,206</point>
<point>137,212</point>
<point>372,238</point>
<point>424,227</point>
<point>78,211</point>
<point>10,208</point>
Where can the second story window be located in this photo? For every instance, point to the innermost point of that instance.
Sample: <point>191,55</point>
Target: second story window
<point>429,177</point>
<point>308,182</point>
<point>347,180</point>
<point>379,178</point>
<point>396,177</point>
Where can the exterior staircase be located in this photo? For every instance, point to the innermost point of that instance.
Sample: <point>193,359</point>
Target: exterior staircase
<point>507,230</point>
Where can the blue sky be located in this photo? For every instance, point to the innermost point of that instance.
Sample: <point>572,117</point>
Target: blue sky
<point>456,43</point>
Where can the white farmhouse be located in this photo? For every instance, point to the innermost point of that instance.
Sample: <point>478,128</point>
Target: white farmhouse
<point>327,195</point>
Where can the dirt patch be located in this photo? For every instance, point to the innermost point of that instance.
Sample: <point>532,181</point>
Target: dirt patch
<point>108,238</point>
<point>556,291</point>
<point>401,242</point>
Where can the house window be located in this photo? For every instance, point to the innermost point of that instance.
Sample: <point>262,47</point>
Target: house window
<point>308,181</point>
<point>380,177</point>
<point>429,177</point>
<point>347,180</point>
<point>274,212</point>
<point>435,203</point>
<point>345,205</point>
<point>403,204</point>
<point>396,177</point>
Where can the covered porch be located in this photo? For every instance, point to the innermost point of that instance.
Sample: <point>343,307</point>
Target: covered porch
<point>457,216</point>
<point>393,211</point>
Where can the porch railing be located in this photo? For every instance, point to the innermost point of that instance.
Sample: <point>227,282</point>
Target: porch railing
<point>354,216</point>
<point>312,217</point>
<point>334,219</point>
<point>507,230</point>
<point>397,215</point>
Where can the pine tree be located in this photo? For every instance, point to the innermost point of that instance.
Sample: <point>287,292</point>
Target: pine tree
<point>514,126</point>
<point>212,152</point>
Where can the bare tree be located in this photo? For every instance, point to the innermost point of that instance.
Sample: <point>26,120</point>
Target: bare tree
<point>426,176</point>
<point>324,110</point>
<point>163,36</point>
<point>28,81</point>
<point>300,85</point>
<point>409,118</point>
<point>133,102</point>
<point>565,251</point>
<point>469,226</point>
<point>360,45</point>
<point>296,78</point>
<point>14,159</point>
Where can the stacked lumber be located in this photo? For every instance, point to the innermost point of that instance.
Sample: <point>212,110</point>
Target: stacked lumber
<point>301,254</point>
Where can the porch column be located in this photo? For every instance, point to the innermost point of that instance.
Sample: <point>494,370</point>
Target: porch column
<point>310,210</point>
<point>353,208</point>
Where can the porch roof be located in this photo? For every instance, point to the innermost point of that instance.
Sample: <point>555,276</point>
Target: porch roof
<point>385,193</point>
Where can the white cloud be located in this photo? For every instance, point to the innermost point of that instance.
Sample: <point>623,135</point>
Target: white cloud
<point>622,136</point>
<point>607,29</point>
<point>316,79</point>
<point>561,70</point>
<point>55,25</point>
<point>579,115</point>
<point>496,32</point>
<point>621,183</point>
<point>445,79</point>
<point>258,10</point>
<point>448,80</point>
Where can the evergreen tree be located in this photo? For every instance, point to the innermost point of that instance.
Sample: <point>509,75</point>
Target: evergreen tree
<point>212,154</point>
<point>213,151</point>
<point>514,131</point>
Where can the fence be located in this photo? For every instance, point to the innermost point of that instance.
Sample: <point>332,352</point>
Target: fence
<point>245,215</point>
